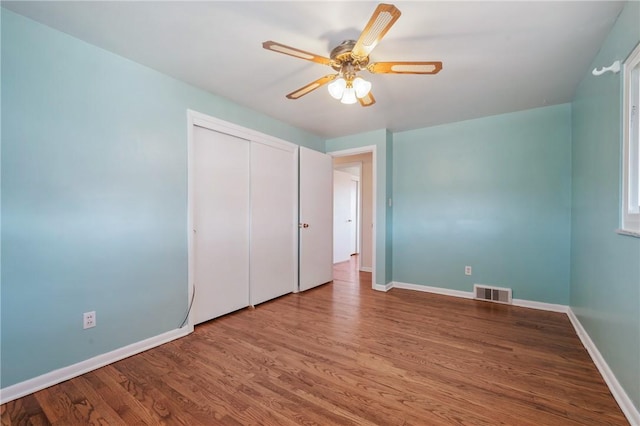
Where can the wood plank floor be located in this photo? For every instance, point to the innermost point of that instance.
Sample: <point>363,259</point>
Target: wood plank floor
<point>345,354</point>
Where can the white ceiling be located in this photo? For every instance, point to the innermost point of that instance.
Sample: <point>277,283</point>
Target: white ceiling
<point>497,56</point>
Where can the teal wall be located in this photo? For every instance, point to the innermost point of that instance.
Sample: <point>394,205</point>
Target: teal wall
<point>94,212</point>
<point>605,266</point>
<point>493,193</point>
<point>379,138</point>
<point>94,197</point>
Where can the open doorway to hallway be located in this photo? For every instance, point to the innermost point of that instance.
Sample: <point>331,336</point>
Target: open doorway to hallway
<point>354,210</point>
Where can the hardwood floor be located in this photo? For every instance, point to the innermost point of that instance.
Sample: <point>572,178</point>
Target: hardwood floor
<point>345,354</point>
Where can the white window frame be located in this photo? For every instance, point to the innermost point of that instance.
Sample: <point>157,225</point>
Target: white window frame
<point>630,211</point>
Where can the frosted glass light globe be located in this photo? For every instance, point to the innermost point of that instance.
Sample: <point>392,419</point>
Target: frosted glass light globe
<point>349,96</point>
<point>336,88</point>
<point>361,86</point>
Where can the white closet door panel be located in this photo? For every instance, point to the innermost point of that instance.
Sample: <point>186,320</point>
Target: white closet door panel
<point>221,223</point>
<point>273,222</point>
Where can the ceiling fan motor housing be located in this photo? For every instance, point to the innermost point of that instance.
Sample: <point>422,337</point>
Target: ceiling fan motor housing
<point>344,62</point>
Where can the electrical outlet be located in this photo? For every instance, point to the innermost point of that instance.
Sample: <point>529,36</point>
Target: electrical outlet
<point>467,270</point>
<point>89,319</point>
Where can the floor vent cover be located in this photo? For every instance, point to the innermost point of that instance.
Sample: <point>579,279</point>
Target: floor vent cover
<point>492,294</point>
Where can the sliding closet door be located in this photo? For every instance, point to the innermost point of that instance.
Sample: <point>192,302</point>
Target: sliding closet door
<point>273,221</point>
<point>220,217</point>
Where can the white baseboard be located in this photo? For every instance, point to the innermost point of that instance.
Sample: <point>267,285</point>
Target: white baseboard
<point>60,375</point>
<point>469,295</point>
<point>436,290</point>
<point>382,287</point>
<point>621,397</point>
<point>543,306</point>
<point>366,269</point>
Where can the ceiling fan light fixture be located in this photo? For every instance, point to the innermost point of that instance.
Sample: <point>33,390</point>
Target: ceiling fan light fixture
<point>349,96</point>
<point>349,91</point>
<point>352,56</point>
<point>337,87</point>
<point>362,87</point>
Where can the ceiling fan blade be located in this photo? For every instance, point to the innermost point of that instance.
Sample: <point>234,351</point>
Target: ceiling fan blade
<point>311,86</point>
<point>367,100</point>
<point>291,51</point>
<point>382,19</point>
<point>405,67</point>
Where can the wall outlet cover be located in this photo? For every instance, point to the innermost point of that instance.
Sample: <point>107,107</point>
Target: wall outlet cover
<point>89,320</point>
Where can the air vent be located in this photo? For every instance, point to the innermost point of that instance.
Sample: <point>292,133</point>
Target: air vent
<point>492,294</point>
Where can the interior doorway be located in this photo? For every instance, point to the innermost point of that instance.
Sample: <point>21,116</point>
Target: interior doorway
<point>360,193</point>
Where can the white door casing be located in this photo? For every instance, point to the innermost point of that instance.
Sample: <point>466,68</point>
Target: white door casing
<point>373,222</point>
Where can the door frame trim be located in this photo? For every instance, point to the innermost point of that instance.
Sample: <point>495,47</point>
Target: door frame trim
<point>374,172</point>
<point>195,118</point>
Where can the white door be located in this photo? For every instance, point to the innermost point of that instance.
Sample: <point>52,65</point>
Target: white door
<point>354,220</point>
<point>220,218</point>
<point>342,242</point>
<point>274,221</point>
<point>316,219</point>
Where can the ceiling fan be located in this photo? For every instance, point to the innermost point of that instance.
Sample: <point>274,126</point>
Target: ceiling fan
<point>352,56</point>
